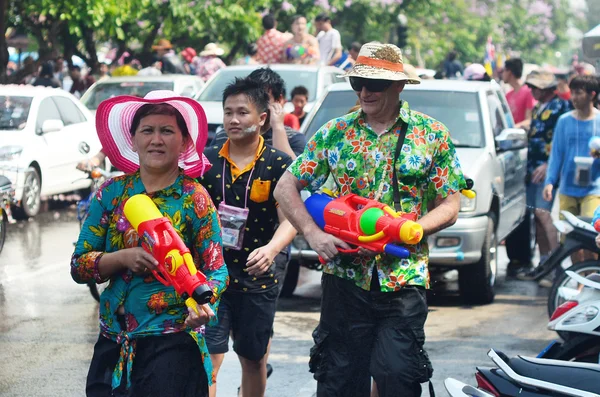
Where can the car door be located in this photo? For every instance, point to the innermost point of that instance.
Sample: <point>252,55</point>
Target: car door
<point>51,156</point>
<point>77,130</point>
<point>509,161</point>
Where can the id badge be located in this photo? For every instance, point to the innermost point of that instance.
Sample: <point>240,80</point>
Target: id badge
<point>583,171</point>
<point>233,225</point>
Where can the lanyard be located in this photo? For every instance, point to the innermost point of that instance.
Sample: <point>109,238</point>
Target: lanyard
<point>247,184</point>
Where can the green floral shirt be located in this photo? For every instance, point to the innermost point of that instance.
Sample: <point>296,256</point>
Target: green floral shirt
<point>360,162</point>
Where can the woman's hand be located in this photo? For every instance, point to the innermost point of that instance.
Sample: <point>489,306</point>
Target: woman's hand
<point>598,241</point>
<point>137,260</point>
<point>195,320</point>
<point>539,174</point>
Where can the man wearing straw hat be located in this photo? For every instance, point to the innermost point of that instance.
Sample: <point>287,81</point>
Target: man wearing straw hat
<point>171,64</point>
<point>374,307</point>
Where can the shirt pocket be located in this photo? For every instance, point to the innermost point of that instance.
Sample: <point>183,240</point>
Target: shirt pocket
<point>260,190</point>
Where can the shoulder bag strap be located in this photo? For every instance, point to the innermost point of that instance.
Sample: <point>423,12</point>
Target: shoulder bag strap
<point>399,145</point>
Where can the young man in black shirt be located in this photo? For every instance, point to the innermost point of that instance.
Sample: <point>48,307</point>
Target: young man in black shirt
<point>241,182</point>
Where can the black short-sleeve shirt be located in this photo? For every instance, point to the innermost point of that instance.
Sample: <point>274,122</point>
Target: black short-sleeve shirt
<point>269,166</point>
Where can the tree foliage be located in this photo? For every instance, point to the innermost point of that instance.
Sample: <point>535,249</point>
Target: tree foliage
<point>530,28</point>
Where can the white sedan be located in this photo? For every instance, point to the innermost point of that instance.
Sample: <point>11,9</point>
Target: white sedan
<point>42,133</point>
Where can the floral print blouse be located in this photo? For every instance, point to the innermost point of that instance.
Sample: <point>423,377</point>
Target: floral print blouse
<point>360,162</point>
<point>150,307</point>
<point>543,121</point>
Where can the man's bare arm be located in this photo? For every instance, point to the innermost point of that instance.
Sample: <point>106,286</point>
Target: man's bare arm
<point>442,216</point>
<point>287,194</point>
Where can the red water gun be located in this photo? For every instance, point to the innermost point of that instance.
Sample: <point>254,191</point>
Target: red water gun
<point>175,263</point>
<point>365,223</point>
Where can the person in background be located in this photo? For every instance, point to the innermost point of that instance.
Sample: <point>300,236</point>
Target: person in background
<point>170,62</point>
<point>209,62</point>
<point>562,89</point>
<point>80,84</point>
<point>354,50</point>
<point>269,45</point>
<point>46,77</point>
<point>520,99</point>
<point>521,103</point>
<point>60,69</point>
<point>153,69</point>
<point>126,69</point>
<point>188,55</point>
<point>544,117</point>
<point>302,48</point>
<point>452,67</point>
<point>103,73</point>
<point>251,56</point>
<point>476,72</point>
<point>330,41</point>
<point>299,98</point>
<point>571,167</point>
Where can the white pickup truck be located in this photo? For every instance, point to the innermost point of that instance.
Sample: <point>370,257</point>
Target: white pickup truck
<point>492,153</point>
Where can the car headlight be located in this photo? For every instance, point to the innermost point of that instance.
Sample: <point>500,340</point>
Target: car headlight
<point>467,204</point>
<point>8,153</point>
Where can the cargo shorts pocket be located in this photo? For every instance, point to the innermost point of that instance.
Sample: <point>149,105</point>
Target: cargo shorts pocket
<point>318,361</point>
<point>424,364</point>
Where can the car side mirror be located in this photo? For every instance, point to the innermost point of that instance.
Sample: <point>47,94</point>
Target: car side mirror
<point>511,138</point>
<point>52,126</point>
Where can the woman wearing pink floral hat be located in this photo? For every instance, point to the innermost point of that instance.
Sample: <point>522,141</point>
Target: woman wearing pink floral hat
<point>158,142</point>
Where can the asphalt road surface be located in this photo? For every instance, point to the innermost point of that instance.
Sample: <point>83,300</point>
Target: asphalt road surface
<point>48,324</point>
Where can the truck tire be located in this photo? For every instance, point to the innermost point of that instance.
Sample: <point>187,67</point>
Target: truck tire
<point>290,280</point>
<point>476,281</point>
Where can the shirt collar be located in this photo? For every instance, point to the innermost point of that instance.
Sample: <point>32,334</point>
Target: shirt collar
<point>175,189</point>
<point>403,114</point>
<point>235,172</point>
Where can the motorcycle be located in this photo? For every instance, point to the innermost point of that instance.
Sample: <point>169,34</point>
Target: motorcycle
<point>579,234</point>
<point>578,322</point>
<point>7,198</point>
<point>529,377</point>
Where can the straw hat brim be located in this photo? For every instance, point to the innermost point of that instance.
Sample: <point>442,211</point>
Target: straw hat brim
<point>541,83</point>
<point>217,52</point>
<point>372,72</point>
<point>113,122</point>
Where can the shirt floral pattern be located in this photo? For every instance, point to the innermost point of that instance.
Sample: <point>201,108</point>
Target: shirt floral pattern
<point>543,120</point>
<point>150,307</point>
<point>360,162</point>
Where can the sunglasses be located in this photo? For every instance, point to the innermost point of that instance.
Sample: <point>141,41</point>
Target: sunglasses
<point>372,85</point>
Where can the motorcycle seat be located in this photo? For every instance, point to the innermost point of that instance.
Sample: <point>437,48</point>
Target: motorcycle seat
<point>582,376</point>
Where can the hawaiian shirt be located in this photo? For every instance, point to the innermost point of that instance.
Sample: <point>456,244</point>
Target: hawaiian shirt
<point>205,67</point>
<point>150,307</point>
<point>543,120</point>
<point>269,46</point>
<point>360,162</point>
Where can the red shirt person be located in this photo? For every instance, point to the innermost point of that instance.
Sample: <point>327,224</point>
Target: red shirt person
<point>520,99</point>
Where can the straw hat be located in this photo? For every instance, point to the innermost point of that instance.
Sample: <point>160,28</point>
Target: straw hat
<point>163,44</point>
<point>113,123</point>
<point>212,49</point>
<point>541,79</point>
<point>380,61</point>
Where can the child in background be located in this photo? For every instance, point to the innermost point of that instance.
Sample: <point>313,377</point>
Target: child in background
<point>299,99</point>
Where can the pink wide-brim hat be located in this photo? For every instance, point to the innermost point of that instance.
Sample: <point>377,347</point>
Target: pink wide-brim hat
<point>113,122</point>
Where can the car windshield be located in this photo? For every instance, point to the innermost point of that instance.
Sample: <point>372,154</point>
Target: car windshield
<point>459,111</point>
<point>14,112</point>
<point>292,78</point>
<point>104,91</point>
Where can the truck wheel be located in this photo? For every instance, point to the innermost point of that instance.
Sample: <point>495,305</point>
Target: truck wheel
<point>291,279</point>
<point>476,281</point>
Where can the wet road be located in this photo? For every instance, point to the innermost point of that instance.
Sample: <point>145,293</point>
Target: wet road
<point>48,324</point>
